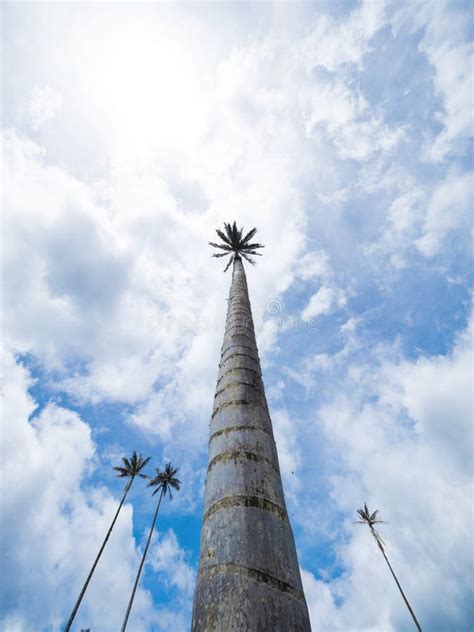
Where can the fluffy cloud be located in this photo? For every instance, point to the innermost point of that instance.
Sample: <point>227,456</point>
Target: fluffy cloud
<point>44,104</point>
<point>336,131</point>
<point>323,301</point>
<point>334,43</point>
<point>423,219</point>
<point>313,264</point>
<point>403,435</point>
<point>448,210</point>
<point>169,559</point>
<point>55,523</point>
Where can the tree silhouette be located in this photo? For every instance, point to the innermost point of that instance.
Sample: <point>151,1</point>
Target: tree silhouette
<point>163,481</point>
<point>131,468</point>
<point>371,519</point>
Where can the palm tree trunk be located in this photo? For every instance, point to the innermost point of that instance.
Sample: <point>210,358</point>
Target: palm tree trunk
<point>400,588</point>
<point>248,577</point>
<point>84,588</point>
<point>132,597</point>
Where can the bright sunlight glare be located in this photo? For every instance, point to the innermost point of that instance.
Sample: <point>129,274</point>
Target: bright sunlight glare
<point>144,85</point>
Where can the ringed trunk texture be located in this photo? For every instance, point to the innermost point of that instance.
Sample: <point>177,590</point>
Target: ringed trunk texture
<point>248,578</point>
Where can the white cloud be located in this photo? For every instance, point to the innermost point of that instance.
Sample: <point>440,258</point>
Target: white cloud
<point>360,140</point>
<point>44,105</point>
<point>403,433</point>
<point>446,43</point>
<point>452,60</point>
<point>320,599</point>
<point>54,527</point>
<point>320,303</point>
<point>437,394</point>
<point>289,455</point>
<point>323,301</point>
<point>349,121</point>
<point>424,219</point>
<point>313,265</point>
<point>449,209</point>
<point>298,135</point>
<point>350,325</point>
<point>334,43</point>
<point>333,99</point>
<point>170,560</point>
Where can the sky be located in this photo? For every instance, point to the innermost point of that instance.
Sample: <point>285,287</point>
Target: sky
<point>342,131</point>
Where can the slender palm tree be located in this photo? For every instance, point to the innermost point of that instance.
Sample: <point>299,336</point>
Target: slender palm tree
<point>131,468</point>
<point>235,245</point>
<point>370,520</point>
<point>164,481</point>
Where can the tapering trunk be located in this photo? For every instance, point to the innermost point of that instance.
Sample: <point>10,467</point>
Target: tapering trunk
<point>407,603</point>
<point>137,579</point>
<point>248,578</point>
<point>89,577</point>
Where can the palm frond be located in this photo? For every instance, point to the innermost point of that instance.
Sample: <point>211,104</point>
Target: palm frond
<point>249,236</point>
<point>224,237</point>
<point>231,260</point>
<point>253,246</point>
<point>247,258</point>
<point>221,246</point>
<point>122,471</point>
<point>251,252</point>
<point>142,462</point>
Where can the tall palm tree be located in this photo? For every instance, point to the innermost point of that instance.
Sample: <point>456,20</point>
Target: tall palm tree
<point>248,575</point>
<point>164,481</point>
<point>235,245</point>
<point>131,468</point>
<point>370,520</point>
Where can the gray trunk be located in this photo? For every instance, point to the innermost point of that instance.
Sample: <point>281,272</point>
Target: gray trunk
<point>248,579</point>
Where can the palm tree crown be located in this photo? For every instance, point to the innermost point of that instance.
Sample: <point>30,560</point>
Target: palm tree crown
<point>133,466</point>
<point>235,245</point>
<point>370,519</point>
<point>165,480</point>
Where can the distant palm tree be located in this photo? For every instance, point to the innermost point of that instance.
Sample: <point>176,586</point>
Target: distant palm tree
<point>236,245</point>
<point>371,519</point>
<point>131,468</point>
<point>163,481</point>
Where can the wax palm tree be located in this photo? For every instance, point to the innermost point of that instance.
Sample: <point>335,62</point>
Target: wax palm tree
<point>370,520</point>
<point>131,468</point>
<point>164,481</point>
<point>235,245</point>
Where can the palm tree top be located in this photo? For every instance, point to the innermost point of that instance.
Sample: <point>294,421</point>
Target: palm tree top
<point>370,519</point>
<point>367,517</point>
<point>235,245</point>
<point>132,467</point>
<point>165,480</point>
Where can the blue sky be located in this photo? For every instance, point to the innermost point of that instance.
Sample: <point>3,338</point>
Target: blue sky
<point>343,131</point>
